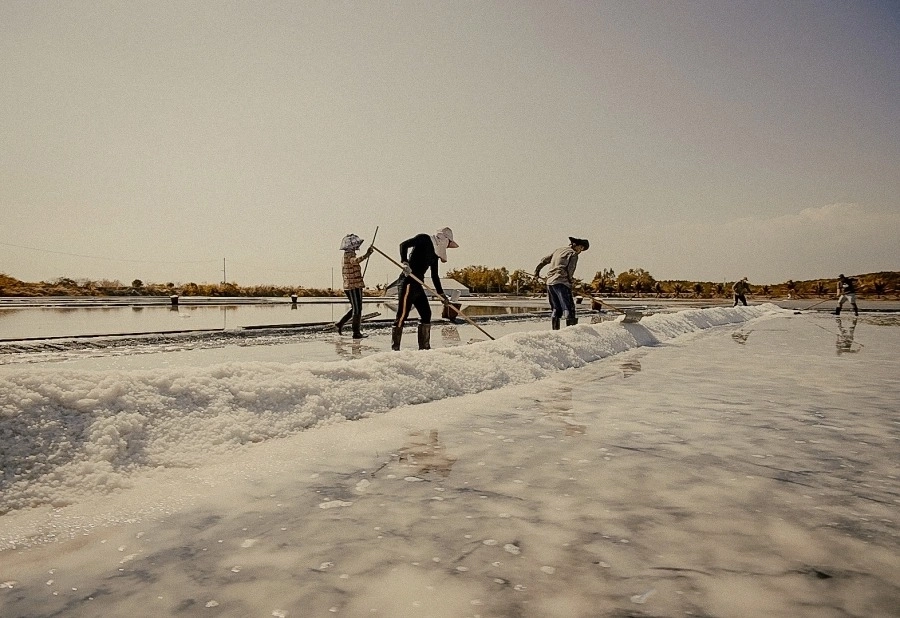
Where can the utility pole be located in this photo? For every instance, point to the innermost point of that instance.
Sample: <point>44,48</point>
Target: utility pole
<point>224,278</point>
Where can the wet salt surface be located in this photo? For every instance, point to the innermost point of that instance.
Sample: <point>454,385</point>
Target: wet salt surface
<point>709,475</point>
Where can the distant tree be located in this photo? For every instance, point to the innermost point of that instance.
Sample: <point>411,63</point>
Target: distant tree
<point>698,289</point>
<point>879,286</point>
<point>677,289</point>
<point>658,288</point>
<point>819,288</point>
<point>635,279</point>
<point>766,290</point>
<point>137,284</point>
<point>603,280</point>
<point>520,281</point>
<point>481,278</point>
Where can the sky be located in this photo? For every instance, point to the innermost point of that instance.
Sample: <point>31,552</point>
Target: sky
<point>194,140</point>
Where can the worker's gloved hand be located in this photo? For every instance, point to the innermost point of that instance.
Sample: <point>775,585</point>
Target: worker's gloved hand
<point>369,252</point>
<point>406,269</point>
<point>537,274</point>
<point>444,299</point>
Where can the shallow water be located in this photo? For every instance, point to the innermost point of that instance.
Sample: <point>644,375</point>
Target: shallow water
<point>723,478</point>
<point>79,318</point>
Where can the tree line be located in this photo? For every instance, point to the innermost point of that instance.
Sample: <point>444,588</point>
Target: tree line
<point>479,279</point>
<point>639,282</point>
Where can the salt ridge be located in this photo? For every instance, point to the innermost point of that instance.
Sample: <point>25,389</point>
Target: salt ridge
<point>65,433</point>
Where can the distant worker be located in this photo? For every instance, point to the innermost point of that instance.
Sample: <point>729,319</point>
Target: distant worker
<point>561,280</point>
<point>353,282</point>
<point>846,289</point>
<point>417,255</point>
<point>740,289</point>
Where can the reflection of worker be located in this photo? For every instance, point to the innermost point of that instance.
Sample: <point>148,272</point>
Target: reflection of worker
<point>561,279</point>
<point>418,254</point>
<point>846,289</point>
<point>741,289</point>
<point>844,342</point>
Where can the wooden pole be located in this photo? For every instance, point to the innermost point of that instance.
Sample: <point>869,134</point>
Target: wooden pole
<point>424,285</point>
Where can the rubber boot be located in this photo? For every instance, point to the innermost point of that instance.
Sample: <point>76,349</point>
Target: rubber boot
<point>554,323</point>
<point>424,336</point>
<point>571,321</point>
<point>396,334</point>
<point>855,310</point>
<point>838,310</point>
<point>357,320</point>
<point>340,324</point>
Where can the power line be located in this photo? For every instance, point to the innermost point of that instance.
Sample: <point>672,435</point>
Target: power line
<point>108,259</point>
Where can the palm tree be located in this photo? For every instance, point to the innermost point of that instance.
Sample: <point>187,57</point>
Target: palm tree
<point>879,286</point>
<point>677,288</point>
<point>698,289</point>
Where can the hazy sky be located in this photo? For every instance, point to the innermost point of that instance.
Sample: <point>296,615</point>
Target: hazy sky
<point>697,140</point>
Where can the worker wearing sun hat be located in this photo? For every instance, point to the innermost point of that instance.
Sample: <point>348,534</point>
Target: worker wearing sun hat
<point>560,280</point>
<point>353,282</point>
<point>418,254</point>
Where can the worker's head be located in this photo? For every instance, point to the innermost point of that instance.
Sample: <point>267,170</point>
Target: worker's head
<point>447,233</point>
<point>443,240</point>
<point>579,244</point>
<point>351,242</point>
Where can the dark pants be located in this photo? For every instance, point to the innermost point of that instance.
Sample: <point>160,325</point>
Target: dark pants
<point>412,295</point>
<point>740,297</point>
<point>561,301</point>
<point>355,298</point>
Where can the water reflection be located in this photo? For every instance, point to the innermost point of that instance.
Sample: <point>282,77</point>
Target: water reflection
<point>351,348</point>
<point>489,310</point>
<point>560,409</point>
<point>629,368</point>
<point>844,343</point>
<point>140,316</point>
<point>450,336</point>
<point>426,454</point>
<point>740,337</point>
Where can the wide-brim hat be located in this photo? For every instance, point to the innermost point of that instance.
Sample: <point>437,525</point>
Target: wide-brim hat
<point>580,241</point>
<point>351,242</point>
<point>448,234</point>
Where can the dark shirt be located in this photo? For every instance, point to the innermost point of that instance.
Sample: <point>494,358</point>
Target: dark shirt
<point>421,257</point>
<point>847,287</point>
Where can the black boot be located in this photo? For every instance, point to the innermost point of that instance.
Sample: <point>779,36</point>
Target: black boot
<point>837,311</point>
<point>554,323</point>
<point>341,322</point>
<point>855,310</point>
<point>571,321</point>
<point>396,334</point>
<point>424,336</point>
<point>357,320</point>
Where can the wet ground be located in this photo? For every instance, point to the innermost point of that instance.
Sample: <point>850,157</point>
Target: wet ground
<point>747,471</point>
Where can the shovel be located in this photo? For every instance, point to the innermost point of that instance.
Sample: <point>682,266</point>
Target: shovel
<point>631,316</point>
<point>424,285</point>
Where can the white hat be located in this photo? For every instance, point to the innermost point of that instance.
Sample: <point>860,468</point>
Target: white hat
<point>448,234</point>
